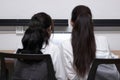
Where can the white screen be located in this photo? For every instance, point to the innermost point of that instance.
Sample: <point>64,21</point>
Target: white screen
<point>58,9</point>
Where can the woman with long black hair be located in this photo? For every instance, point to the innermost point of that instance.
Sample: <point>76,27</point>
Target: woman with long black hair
<point>83,47</point>
<point>36,40</point>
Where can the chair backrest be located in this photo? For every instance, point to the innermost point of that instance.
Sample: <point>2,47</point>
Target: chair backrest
<point>97,62</point>
<point>43,60</point>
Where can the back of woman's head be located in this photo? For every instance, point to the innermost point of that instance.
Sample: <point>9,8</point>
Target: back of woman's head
<point>80,10</point>
<point>38,32</point>
<point>83,41</point>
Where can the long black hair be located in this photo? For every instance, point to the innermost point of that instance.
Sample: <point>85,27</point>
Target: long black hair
<point>38,32</point>
<point>83,41</point>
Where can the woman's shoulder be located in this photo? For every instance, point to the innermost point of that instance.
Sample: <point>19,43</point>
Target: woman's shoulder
<point>66,42</point>
<point>50,48</point>
<point>101,43</point>
<point>100,38</point>
<point>52,45</point>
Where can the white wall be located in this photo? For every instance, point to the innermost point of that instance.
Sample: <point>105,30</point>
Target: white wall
<point>13,41</point>
<point>58,9</point>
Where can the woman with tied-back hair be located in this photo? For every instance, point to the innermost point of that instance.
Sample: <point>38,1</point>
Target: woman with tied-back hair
<point>80,50</point>
<point>36,40</point>
<point>83,40</point>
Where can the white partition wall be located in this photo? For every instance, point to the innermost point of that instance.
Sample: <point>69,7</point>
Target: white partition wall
<point>13,41</point>
<point>58,9</point>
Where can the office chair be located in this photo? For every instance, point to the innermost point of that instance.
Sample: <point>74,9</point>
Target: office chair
<point>97,62</point>
<point>22,62</point>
